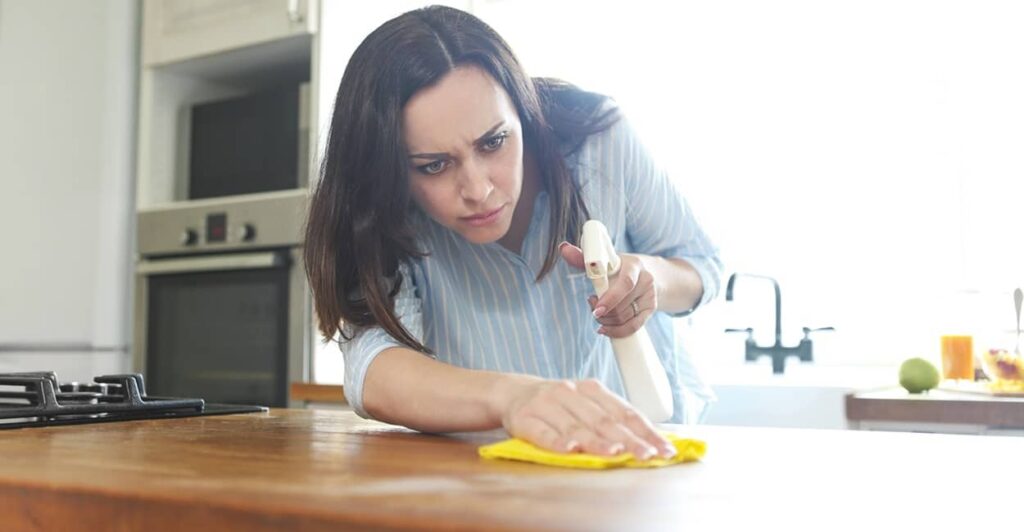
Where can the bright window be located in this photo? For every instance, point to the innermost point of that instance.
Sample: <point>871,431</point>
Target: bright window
<point>869,155</point>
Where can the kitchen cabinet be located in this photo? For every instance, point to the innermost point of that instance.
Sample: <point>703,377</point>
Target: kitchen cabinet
<point>330,470</point>
<point>201,51</point>
<point>227,49</point>
<point>198,51</point>
<point>176,30</point>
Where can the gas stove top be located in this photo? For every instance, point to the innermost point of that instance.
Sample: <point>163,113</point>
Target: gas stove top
<point>38,399</point>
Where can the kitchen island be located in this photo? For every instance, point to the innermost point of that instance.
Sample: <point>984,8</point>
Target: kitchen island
<point>330,470</point>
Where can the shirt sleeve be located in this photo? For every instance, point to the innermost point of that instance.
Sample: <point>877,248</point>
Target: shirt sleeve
<point>368,342</point>
<point>659,220</point>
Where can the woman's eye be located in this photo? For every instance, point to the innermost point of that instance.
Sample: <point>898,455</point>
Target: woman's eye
<point>432,168</point>
<point>495,142</point>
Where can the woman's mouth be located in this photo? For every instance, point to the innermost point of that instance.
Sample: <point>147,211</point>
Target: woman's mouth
<point>484,218</point>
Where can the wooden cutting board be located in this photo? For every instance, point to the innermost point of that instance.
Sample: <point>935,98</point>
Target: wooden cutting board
<point>977,388</point>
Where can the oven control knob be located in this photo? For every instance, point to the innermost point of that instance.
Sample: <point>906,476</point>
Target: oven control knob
<point>189,237</point>
<point>247,233</point>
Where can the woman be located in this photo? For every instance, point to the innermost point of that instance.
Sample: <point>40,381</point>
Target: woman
<point>437,245</point>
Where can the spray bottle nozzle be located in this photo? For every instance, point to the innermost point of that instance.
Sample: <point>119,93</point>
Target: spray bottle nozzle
<point>598,252</point>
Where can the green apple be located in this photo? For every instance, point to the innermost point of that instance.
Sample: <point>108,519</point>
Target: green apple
<point>918,375</point>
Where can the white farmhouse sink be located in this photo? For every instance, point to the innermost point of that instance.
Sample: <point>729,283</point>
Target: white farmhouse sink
<point>805,396</point>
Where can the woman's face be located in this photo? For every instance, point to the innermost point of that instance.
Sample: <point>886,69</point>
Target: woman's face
<point>465,154</point>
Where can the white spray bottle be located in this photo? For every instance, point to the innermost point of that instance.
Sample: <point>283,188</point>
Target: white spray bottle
<point>647,387</point>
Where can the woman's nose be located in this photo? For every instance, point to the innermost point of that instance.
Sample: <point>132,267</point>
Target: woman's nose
<point>475,185</point>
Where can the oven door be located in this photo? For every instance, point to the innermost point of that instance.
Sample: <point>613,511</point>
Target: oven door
<point>226,328</point>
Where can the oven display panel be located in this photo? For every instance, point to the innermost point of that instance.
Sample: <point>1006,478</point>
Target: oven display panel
<point>217,227</point>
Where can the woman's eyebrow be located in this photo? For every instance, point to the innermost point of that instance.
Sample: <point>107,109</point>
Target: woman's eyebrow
<point>478,141</point>
<point>483,138</point>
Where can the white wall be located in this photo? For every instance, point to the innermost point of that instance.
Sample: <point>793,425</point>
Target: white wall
<point>68,71</point>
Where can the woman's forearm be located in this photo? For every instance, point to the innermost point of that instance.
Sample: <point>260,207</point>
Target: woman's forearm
<point>679,286</point>
<point>405,387</point>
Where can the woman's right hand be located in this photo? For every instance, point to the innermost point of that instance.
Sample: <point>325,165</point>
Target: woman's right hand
<point>579,416</point>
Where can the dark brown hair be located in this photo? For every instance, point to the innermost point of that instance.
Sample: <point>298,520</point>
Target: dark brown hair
<point>358,231</point>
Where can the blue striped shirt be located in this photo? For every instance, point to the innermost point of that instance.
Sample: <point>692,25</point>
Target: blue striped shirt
<point>480,307</point>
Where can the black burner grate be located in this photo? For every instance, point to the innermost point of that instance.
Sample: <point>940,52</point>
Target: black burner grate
<point>39,399</point>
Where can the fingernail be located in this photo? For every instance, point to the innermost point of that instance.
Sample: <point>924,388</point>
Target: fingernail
<point>601,330</point>
<point>668,452</point>
<point>616,448</point>
<point>647,453</point>
<point>599,311</point>
<point>572,446</point>
<point>563,244</point>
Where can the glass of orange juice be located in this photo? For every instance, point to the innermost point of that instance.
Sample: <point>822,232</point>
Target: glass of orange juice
<point>958,357</point>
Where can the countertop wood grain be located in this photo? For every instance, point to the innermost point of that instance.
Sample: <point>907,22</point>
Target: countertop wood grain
<point>330,470</point>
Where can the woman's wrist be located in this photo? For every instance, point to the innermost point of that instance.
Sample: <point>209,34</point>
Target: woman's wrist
<point>507,388</point>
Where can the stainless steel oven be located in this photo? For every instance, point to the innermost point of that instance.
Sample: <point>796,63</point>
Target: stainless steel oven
<point>222,309</point>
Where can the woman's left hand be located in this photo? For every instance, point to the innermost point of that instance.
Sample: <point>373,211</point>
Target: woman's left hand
<point>630,300</point>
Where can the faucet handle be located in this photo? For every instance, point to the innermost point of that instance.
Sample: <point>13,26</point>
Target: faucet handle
<point>748,330</point>
<point>808,331</point>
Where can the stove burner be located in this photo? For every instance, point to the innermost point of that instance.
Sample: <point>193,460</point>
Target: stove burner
<point>38,399</point>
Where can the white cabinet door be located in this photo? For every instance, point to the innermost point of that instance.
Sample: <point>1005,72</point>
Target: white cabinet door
<point>175,30</point>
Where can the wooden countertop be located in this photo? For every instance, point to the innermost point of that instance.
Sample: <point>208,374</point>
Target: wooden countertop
<point>936,406</point>
<point>330,470</point>
<point>311,392</point>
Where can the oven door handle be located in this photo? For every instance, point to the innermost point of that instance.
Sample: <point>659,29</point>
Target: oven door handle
<point>248,261</point>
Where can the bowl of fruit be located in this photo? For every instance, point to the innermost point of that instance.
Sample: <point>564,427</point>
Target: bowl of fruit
<point>1004,369</point>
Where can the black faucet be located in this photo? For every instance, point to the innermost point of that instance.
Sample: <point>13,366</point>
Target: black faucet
<point>777,352</point>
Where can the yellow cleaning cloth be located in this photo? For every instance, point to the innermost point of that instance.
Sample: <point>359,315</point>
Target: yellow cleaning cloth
<point>687,450</point>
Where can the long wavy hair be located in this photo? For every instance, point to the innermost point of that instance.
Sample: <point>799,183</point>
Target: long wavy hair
<point>358,231</point>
